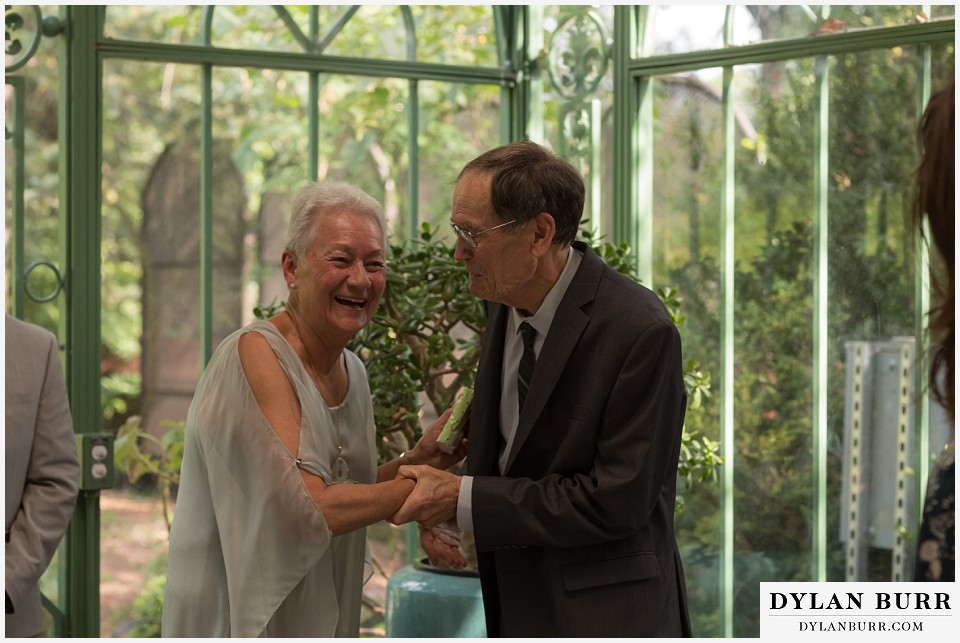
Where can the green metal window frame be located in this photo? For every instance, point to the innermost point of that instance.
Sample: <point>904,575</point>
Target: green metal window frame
<point>633,123</point>
<point>83,48</point>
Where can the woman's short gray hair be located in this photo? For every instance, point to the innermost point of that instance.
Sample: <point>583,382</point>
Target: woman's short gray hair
<point>325,198</point>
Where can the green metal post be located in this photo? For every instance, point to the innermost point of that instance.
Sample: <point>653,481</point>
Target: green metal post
<point>626,147</point>
<point>728,359</point>
<point>80,153</point>
<point>820,320</point>
<point>206,198</point>
<point>413,130</point>
<point>596,175</point>
<point>922,284</point>
<point>313,116</point>
<point>514,32</point>
<point>17,263</point>
<point>532,95</point>
<point>727,347</point>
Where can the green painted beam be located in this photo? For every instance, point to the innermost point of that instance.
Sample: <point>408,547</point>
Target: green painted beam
<point>313,109</point>
<point>17,259</point>
<point>626,97</point>
<point>80,124</point>
<point>529,101</point>
<point>224,57</point>
<point>206,214</point>
<point>728,306</point>
<point>821,299</point>
<point>413,131</point>
<point>837,43</point>
<point>921,320</point>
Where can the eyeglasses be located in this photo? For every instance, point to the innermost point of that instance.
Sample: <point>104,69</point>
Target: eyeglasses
<point>470,238</point>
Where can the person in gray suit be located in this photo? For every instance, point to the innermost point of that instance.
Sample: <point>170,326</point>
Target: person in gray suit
<point>577,415</point>
<point>42,469</point>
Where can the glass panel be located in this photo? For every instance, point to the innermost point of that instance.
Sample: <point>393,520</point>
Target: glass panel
<point>688,162</point>
<point>773,329</point>
<point>759,23</point>
<point>457,123</point>
<point>257,27</point>
<point>459,34</point>
<point>686,28</point>
<point>943,11</point>
<point>260,156</point>
<point>363,138</point>
<point>873,117</point>
<point>149,245</point>
<point>456,35</point>
<point>153,23</point>
<point>873,15</point>
<point>944,64</point>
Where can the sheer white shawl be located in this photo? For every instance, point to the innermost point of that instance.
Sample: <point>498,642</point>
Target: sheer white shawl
<point>250,553</point>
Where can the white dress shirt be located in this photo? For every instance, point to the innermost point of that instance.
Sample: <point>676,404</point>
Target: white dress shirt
<point>512,351</point>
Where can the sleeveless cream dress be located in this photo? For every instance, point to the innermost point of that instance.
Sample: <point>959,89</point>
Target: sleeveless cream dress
<point>250,553</point>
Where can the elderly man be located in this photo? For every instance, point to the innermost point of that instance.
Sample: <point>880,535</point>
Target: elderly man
<point>575,430</point>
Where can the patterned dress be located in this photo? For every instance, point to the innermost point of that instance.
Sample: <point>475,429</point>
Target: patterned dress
<point>935,551</point>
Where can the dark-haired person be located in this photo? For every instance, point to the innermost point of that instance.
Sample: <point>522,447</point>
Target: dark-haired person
<point>577,415</point>
<point>935,202</point>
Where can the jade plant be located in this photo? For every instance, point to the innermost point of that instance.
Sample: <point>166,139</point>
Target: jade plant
<point>423,344</point>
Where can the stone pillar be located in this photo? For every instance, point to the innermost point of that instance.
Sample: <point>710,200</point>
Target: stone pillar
<point>170,237</point>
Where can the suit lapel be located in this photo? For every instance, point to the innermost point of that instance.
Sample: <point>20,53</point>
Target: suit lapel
<point>565,331</point>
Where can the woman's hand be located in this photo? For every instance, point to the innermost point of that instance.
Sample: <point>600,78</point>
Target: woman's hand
<point>427,452</point>
<point>442,545</point>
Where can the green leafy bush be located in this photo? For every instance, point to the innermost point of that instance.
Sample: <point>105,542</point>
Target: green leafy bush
<point>423,345</point>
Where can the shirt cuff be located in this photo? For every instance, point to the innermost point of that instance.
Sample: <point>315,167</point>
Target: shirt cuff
<point>465,505</point>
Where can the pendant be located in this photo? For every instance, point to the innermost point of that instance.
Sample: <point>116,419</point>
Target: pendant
<point>341,472</point>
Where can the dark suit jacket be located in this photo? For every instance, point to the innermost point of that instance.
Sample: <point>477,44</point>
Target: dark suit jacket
<point>577,539</point>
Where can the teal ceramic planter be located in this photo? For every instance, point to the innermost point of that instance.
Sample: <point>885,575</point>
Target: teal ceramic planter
<point>423,601</point>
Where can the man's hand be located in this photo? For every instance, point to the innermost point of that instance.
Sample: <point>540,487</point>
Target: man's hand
<point>433,500</point>
<point>442,544</point>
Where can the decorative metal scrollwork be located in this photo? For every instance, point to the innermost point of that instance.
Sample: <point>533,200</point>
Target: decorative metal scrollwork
<point>579,55</point>
<point>25,27</point>
<point>577,62</point>
<point>57,282</point>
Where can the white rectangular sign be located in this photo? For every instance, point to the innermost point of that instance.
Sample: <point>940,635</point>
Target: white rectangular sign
<point>858,611</point>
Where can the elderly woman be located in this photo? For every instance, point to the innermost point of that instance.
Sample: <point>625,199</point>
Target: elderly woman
<point>279,476</point>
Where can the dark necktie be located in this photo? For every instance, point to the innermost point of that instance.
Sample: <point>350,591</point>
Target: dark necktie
<point>527,362</point>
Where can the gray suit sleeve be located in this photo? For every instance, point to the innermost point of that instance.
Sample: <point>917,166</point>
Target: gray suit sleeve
<point>51,485</point>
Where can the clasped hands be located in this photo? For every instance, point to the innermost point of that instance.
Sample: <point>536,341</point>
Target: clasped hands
<point>433,504</point>
<point>433,501</point>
